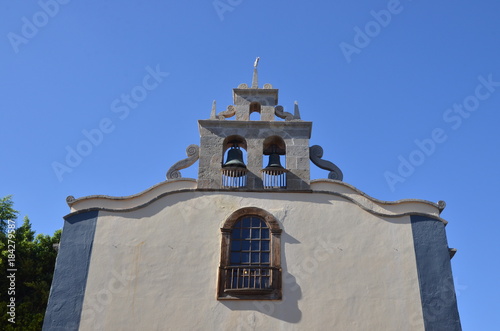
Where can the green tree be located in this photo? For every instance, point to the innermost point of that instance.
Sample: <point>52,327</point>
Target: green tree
<point>34,263</point>
<point>7,212</point>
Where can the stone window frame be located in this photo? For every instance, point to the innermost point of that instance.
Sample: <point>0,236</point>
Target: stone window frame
<point>275,258</point>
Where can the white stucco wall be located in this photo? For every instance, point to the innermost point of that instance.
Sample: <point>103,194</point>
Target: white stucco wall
<point>155,268</point>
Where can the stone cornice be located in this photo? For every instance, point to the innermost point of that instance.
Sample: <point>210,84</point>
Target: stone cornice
<point>318,187</point>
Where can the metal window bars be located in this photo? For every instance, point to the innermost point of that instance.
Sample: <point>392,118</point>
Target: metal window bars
<point>249,277</point>
<point>234,177</point>
<point>274,178</point>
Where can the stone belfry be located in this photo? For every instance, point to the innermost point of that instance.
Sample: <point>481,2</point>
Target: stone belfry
<point>278,136</point>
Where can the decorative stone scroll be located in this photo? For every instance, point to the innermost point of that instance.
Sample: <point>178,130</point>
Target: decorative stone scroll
<point>315,154</point>
<point>70,199</point>
<point>230,112</point>
<point>278,111</point>
<point>193,153</point>
<point>441,205</point>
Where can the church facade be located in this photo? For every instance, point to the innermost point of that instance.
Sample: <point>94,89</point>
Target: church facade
<point>253,243</point>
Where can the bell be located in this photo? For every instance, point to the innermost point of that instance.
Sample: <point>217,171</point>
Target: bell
<point>274,162</point>
<point>234,158</point>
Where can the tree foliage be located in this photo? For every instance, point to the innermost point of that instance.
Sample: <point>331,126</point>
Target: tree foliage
<point>7,212</point>
<point>33,263</point>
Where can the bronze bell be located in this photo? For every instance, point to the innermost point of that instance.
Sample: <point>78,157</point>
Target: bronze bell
<point>274,160</point>
<point>234,158</point>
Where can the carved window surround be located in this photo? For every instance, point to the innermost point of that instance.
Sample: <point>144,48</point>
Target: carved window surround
<point>227,272</point>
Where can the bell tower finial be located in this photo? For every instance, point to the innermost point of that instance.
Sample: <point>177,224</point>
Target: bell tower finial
<point>255,79</point>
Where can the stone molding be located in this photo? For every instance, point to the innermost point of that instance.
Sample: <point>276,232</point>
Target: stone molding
<point>106,202</point>
<point>322,186</point>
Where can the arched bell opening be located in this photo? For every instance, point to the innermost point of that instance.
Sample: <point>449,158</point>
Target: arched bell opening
<point>254,112</point>
<point>274,173</point>
<point>233,168</point>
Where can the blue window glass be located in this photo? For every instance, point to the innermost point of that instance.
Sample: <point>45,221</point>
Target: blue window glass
<point>245,233</point>
<point>264,245</point>
<point>245,245</point>
<point>235,245</point>
<point>250,240</point>
<point>236,234</point>
<point>257,222</point>
<point>235,258</point>
<point>265,233</point>
<point>245,258</point>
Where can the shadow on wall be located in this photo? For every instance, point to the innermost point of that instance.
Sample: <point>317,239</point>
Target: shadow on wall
<point>286,309</point>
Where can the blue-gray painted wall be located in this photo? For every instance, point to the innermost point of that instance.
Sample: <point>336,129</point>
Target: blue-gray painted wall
<point>439,303</point>
<point>70,275</point>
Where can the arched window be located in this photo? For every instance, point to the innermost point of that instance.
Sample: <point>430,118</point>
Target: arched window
<point>250,256</point>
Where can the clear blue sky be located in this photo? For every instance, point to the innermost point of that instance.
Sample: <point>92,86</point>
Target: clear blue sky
<point>404,97</point>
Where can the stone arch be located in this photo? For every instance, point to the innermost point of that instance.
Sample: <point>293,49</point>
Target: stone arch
<point>255,107</point>
<point>230,141</point>
<point>270,220</point>
<point>274,142</point>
